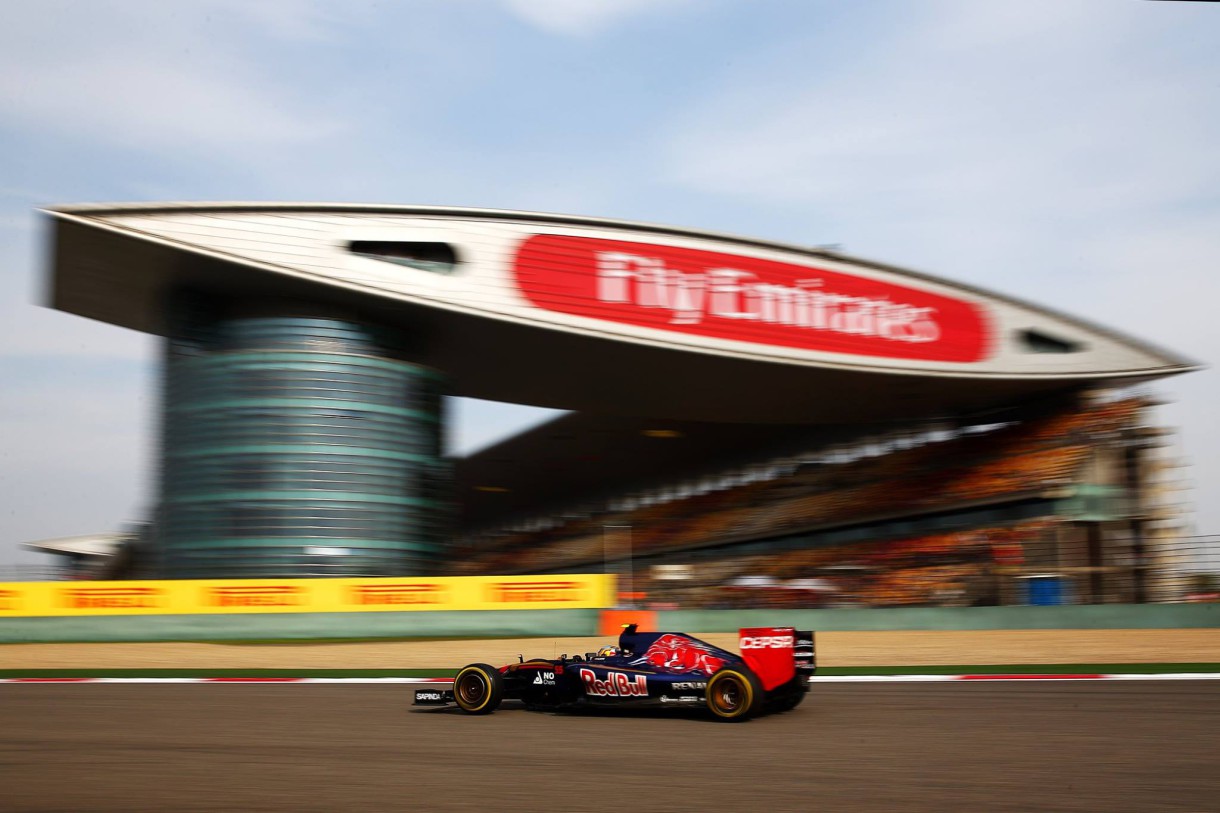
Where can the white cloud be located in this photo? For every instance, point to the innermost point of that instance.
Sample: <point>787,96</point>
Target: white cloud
<point>134,102</point>
<point>585,17</point>
<point>141,75</point>
<point>297,20</point>
<point>1062,119</point>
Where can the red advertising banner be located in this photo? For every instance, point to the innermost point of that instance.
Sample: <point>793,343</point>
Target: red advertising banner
<point>741,298</point>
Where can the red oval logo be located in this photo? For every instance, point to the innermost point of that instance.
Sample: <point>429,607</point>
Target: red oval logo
<point>729,296</point>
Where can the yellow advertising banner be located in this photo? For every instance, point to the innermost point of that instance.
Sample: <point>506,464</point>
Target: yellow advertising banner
<point>184,597</point>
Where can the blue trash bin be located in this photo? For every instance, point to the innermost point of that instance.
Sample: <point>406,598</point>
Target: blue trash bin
<point>1045,591</point>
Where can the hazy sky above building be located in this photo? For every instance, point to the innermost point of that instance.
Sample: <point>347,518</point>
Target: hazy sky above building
<point>1065,152</point>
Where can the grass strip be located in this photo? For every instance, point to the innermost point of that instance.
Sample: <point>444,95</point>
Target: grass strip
<point>827,671</point>
<point>423,639</point>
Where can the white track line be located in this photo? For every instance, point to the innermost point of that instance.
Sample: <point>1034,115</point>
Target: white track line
<point>823,679</point>
<point>1168,676</point>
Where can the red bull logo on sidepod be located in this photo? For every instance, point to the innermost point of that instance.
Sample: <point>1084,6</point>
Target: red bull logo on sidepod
<point>677,653</point>
<point>616,684</point>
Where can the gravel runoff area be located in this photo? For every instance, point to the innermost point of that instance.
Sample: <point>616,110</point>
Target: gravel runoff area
<point>864,748</point>
<point>837,649</point>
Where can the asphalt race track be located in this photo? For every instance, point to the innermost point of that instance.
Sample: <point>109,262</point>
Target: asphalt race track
<point>1021,746</point>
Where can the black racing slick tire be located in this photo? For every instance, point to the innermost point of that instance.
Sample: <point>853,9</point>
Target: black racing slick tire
<point>734,694</point>
<point>478,689</point>
<point>788,703</point>
<point>789,696</point>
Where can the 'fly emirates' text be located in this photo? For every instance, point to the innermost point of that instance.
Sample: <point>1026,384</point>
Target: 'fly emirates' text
<point>729,293</point>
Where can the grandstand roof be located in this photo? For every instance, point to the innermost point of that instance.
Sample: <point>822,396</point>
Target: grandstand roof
<point>580,456</point>
<point>600,315</point>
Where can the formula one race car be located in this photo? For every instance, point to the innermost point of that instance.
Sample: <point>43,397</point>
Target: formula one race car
<point>649,669</point>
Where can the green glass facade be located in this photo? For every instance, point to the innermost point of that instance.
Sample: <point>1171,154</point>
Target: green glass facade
<point>297,446</point>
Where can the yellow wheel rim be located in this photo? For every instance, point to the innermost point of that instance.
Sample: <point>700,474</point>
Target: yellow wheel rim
<point>472,688</point>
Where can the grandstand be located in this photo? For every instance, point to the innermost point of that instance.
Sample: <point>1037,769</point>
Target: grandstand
<point>1048,505</point>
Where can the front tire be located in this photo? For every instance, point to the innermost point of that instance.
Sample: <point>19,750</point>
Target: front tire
<point>734,694</point>
<point>478,689</point>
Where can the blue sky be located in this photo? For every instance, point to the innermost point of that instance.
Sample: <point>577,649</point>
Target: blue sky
<point>1066,152</point>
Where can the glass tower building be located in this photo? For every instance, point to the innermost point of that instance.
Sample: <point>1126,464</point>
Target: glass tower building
<point>297,442</point>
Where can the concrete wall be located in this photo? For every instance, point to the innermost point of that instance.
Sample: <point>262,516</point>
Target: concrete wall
<point>1099,616</point>
<point>299,626</point>
<point>577,623</point>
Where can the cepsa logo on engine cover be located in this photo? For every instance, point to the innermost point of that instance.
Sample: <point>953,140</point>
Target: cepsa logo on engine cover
<point>768,642</point>
<point>616,684</point>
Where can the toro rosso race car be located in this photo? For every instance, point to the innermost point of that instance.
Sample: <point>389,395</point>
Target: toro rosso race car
<point>669,669</point>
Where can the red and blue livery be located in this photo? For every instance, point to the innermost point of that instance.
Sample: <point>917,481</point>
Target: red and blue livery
<point>670,669</point>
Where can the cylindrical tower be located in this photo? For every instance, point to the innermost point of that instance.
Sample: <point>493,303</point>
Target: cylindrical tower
<point>297,442</point>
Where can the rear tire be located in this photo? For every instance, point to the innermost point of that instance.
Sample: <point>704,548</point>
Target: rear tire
<point>734,693</point>
<point>788,703</point>
<point>478,689</point>
<point>789,696</point>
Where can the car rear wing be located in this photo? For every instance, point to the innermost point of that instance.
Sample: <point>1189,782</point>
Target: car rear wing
<point>778,654</point>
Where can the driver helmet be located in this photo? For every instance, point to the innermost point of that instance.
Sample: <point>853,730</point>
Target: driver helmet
<point>609,652</point>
